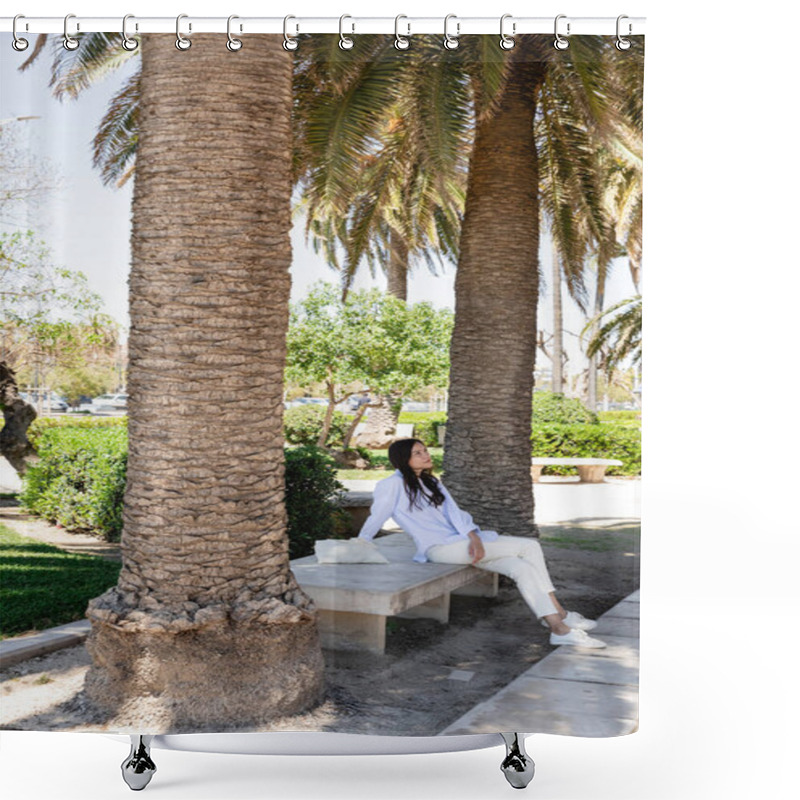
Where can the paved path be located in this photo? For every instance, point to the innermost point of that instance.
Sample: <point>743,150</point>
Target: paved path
<point>572,691</point>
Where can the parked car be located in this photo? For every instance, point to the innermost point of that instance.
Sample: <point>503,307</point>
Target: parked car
<point>50,401</point>
<point>119,401</point>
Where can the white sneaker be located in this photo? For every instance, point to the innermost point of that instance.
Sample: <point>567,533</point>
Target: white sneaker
<point>578,638</point>
<point>575,620</point>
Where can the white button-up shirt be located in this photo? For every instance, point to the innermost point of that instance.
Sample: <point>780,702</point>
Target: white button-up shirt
<point>428,525</point>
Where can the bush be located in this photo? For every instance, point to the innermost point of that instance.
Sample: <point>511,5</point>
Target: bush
<point>79,480</point>
<point>589,441</point>
<point>313,497</point>
<point>426,425</point>
<point>621,417</point>
<point>551,408</point>
<point>303,425</point>
<point>42,424</point>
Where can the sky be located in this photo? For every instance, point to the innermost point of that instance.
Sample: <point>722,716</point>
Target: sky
<point>87,225</point>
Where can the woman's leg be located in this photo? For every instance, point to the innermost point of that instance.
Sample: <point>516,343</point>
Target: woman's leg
<point>506,558</point>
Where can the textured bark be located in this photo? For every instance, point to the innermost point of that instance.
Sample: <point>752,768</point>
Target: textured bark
<point>493,350</point>
<point>207,620</point>
<point>558,327</point>
<point>397,268</point>
<point>17,415</point>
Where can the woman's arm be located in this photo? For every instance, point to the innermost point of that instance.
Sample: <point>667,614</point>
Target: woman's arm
<point>460,520</point>
<point>383,502</point>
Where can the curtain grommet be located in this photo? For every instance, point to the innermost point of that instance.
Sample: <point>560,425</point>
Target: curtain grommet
<point>19,43</point>
<point>622,43</point>
<point>450,42</point>
<point>507,42</point>
<point>181,42</point>
<point>560,43</point>
<point>70,43</point>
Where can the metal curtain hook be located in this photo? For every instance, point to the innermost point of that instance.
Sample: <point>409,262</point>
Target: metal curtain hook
<point>233,44</point>
<point>622,43</point>
<point>507,42</point>
<point>69,42</point>
<point>345,42</point>
<point>401,42</point>
<point>128,43</point>
<point>450,42</point>
<point>289,42</point>
<point>181,42</point>
<point>19,44</point>
<point>560,42</point>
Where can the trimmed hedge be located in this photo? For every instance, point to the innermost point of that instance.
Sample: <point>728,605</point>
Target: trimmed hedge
<point>42,424</point>
<point>313,499</point>
<point>303,425</point>
<point>551,408</point>
<point>589,441</point>
<point>79,482</point>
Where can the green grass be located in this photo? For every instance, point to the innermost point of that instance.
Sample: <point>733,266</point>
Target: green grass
<point>42,586</point>
<point>620,537</point>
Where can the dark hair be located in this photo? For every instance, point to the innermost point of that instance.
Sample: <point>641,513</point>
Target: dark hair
<point>399,455</point>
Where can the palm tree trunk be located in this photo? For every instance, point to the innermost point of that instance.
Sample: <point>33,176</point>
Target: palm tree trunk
<point>493,349</point>
<point>558,326</point>
<point>599,299</point>
<point>207,628</point>
<point>382,419</point>
<point>397,268</point>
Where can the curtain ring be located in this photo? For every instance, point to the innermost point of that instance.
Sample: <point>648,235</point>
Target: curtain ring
<point>233,44</point>
<point>19,44</point>
<point>181,42</point>
<point>69,42</point>
<point>507,42</point>
<point>401,42</point>
<point>289,42</point>
<point>128,42</point>
<point>345,42</point>
<point>622,43</point>
<point>450,42</point>
<point>560,42</point>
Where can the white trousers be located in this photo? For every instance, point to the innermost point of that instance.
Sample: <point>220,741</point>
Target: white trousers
<point>519,558</point>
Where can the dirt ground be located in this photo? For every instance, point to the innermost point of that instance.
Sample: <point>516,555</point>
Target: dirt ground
<point>430,675</point>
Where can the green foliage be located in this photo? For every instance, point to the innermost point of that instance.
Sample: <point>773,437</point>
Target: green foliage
<point>551,408</point>
<point>312,499</point>
<point>42,424</point>
<point>389,346</point>
<point>73,383</point>
<point>426,425</point>
<point>589,441</point>
<point>303,425</point>
<point>621,417</point>
<point>43,586</point>
<point>79,480</point>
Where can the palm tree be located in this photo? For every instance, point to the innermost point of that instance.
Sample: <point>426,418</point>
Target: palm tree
<point>616,333</point>
<point>207,627</point>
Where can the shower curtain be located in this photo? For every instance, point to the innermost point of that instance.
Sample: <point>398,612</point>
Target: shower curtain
<point>209,247</point>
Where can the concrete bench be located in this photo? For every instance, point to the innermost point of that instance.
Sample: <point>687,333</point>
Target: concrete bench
<point>590,470</point>
<point>354,600</point>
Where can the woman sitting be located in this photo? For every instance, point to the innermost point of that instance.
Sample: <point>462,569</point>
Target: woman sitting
<point>443,533</point>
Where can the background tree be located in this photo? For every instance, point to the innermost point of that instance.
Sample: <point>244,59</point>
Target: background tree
<point>368,342</point>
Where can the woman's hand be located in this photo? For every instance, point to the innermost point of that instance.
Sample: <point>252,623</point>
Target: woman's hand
<point>476,551</point>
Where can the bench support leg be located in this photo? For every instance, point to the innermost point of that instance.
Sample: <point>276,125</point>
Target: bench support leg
<point>438,609</point>
<point>517,766</point>
<point>349,630</point>
<point>592,473</point>
<point>536,473</point>
<point>138,768</point>
<point>486,584</point>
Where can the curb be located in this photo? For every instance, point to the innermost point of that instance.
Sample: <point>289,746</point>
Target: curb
<point>21,648</point>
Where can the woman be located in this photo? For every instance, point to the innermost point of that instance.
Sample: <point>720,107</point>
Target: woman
<point>445,534</point>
